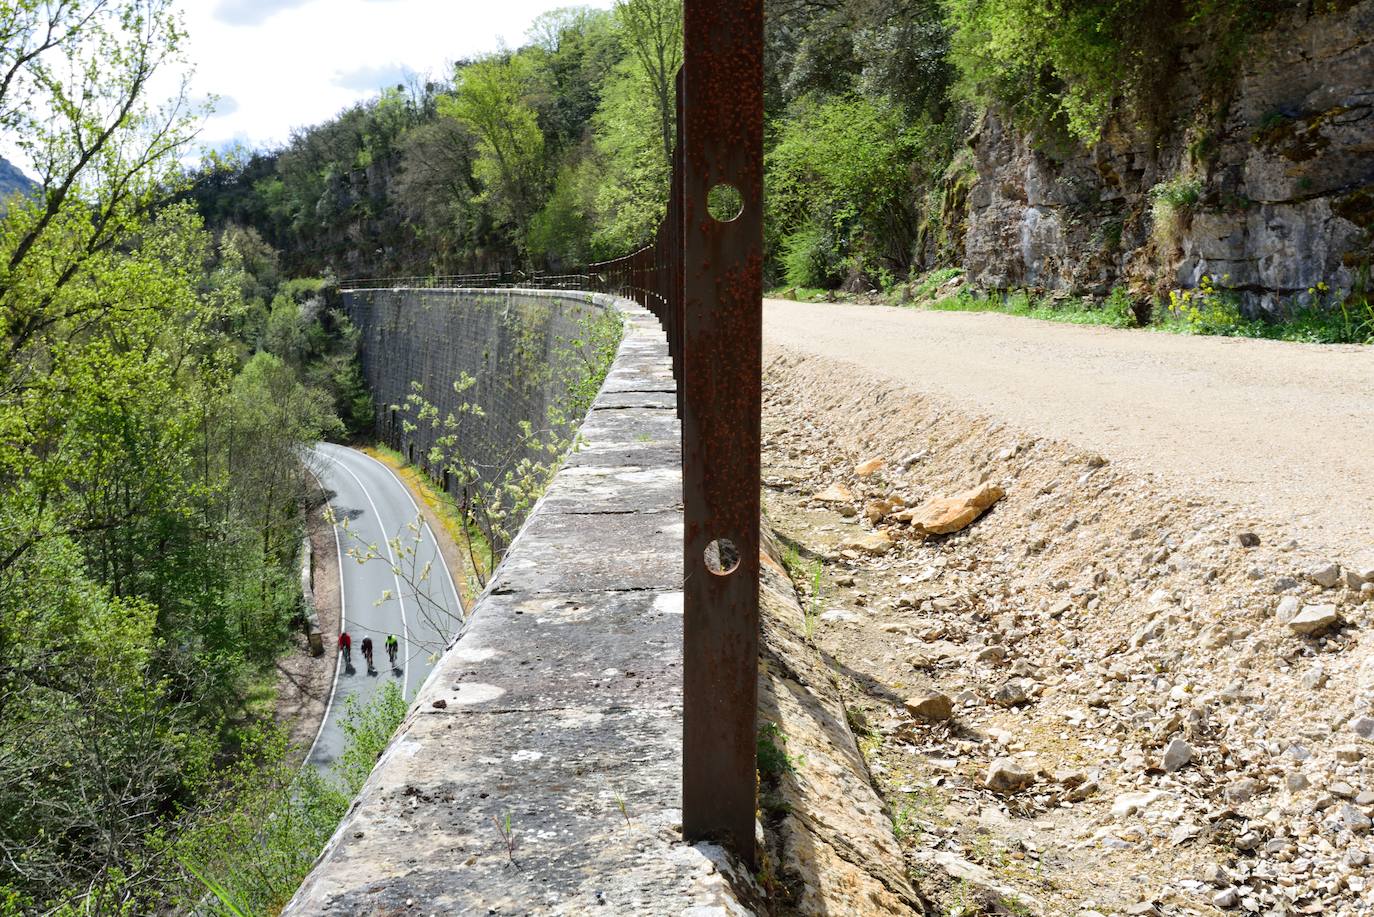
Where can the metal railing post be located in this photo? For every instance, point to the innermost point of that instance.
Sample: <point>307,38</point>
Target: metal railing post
<point>721,381</point>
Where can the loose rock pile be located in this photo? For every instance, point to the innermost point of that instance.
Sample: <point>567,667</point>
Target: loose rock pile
<point>1102,696</point>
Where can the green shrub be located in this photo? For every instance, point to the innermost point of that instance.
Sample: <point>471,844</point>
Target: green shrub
<point>1120,309</point>
<point>1173,203</point>
<point>1066,65</point>
<point>839,187</point>
<point>809,257</point>
<point>252,844</point>
<point>1209,309</point>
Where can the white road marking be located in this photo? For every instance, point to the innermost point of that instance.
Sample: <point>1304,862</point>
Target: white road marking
<point>400,593</point>
<point>343,626</point>
<point>457,596</point>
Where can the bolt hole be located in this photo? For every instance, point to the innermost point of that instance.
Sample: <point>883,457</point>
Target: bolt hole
<point>725,203</point>
<point>722,557</point>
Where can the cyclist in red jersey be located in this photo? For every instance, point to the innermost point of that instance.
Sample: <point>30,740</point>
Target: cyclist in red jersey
<point>346,646</point>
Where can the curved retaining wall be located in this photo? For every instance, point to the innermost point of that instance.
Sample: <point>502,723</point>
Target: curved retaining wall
<point>514,343</point>
<point>539,770</point>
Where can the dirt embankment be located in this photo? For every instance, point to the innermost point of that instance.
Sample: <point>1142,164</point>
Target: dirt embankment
<point>1136,720</point>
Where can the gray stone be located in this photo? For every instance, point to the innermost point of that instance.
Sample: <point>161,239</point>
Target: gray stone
<point>1006,776</point>
<point>1247,539</point>
<point>1314,620</point>
<point>1214,874</point>
<point>1176,754</point>
<point>994,653</point>
<point>1296,781</point>
<point>1011,693</point>
<point>1354,819</point>
<point>1325,575</point>
<point>1287,609</point>
<point>1128,804</point>
<point>1242,789</point>
<point>1363,726</point>
<point>1226,899</point>
<point>1350,754</point>
<point>1315,677</point>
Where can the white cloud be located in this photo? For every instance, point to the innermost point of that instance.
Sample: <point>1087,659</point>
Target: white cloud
<point>293,63</point>
<point>372,78</point>
<point>251,12</point>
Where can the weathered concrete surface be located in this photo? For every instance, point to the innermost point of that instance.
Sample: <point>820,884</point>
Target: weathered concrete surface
<point>539,771</point>
<point>830,840</point>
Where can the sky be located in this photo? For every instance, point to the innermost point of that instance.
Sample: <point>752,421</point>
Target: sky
<point>280,64</point>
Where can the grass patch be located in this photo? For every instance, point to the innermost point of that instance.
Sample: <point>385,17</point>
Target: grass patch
<point>1115,312</point>
<point>925,288</point>
<point>801,294</point>
<point>1210,309</point>
<point>771,753</point>
<point>1320,318</point>
<point>468,538</point>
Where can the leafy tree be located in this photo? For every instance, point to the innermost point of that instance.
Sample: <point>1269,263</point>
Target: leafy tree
<point>839,186</point>
<point>1068,65</point>
<point>651,31</point>
<point>491,100</point>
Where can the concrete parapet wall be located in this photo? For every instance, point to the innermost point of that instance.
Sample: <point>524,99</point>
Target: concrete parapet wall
<point>539,770</point>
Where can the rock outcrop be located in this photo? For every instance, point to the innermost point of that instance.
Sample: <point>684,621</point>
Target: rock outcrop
<point>1282,158</point>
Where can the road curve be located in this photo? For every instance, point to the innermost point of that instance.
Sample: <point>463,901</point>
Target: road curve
<point>1283,430</point>
<point>376,602</point>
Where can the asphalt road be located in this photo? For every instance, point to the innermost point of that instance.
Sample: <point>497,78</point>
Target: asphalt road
<point>421,612</point>
<point>1284,430</point>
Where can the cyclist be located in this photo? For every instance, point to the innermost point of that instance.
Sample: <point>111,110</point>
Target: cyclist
<point>367,651</point>
<point>346,647</point>
<point>392,645</point>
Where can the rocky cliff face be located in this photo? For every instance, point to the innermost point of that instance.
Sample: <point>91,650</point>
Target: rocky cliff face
<point>1281,159</point>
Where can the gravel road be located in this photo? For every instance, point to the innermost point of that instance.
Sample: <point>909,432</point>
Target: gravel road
<point>1283,431</point>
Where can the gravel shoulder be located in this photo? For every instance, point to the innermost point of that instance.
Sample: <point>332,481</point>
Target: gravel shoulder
<point>1108,695</point>
<point>1283,431</point>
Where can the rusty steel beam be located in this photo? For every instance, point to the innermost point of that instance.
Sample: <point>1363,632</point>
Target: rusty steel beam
<point>722,330</point>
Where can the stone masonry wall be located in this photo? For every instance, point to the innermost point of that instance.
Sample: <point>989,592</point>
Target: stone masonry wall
<point>515,343</point>
<point>1285,158</point>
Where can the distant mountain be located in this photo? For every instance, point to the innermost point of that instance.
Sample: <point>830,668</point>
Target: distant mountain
<point>13,181</point>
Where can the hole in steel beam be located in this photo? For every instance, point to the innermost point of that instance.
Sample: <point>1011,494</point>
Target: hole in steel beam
<point>722,557</point>
<point>724,203</point>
